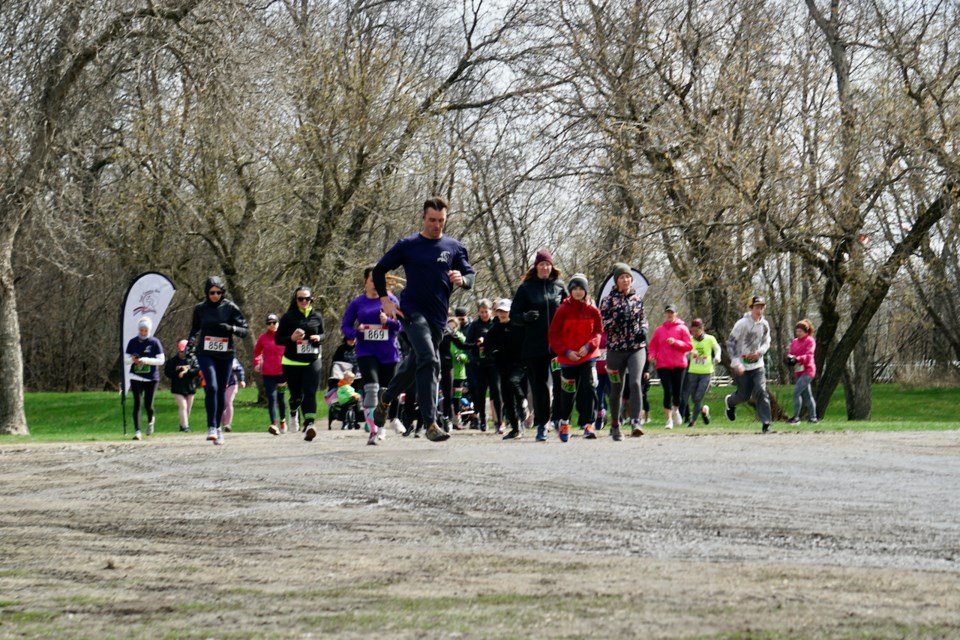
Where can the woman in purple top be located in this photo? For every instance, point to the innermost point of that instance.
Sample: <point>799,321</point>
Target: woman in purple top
<point>377,349</point>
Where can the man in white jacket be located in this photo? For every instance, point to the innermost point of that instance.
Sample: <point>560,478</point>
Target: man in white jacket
<point>747,344</point>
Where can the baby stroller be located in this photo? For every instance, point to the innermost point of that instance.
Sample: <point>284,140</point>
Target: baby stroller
<point>347,414</point>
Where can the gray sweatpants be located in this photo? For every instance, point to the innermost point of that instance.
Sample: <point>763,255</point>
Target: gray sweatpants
<point>619,363</point>
<point>753,382</point>
<point>695,385</point>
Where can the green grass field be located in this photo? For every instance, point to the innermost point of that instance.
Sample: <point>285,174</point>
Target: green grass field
<point>97,415</point>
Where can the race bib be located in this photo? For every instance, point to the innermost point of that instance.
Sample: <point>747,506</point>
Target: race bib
<point>306,348</point>
<point>141,368</point>
<point>218,345</point>
<point>699,359</point>
<point>375,333</point>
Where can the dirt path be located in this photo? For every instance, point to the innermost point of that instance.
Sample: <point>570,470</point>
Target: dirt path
<point>788,535</point>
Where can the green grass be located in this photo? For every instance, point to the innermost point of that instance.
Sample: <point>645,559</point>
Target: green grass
<point>97,415</point>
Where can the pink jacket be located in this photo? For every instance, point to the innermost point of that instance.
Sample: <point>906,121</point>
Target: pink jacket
<point>670,356</point>
<point>804,349</point>
<point>269,353</point>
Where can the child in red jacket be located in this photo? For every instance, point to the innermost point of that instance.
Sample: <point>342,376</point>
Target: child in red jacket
<point>574,336</point>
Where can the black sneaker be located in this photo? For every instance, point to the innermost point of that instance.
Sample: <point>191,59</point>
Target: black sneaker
<point>310,432</point>
<point>184,429</point>
<point>705,412</point>
<point>731,410</point>
<point>512,434</point>
<point>765,429</point>
<point>615,433</point>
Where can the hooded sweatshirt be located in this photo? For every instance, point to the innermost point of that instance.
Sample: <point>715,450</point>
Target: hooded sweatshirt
<point>671,356</point>
<point>150,352</point>
<point>299,352</point>
<point>215,324</point>
<point>576,324</point>
<point>804,350</point>
<point>268,354</point>
<point>749,336</point>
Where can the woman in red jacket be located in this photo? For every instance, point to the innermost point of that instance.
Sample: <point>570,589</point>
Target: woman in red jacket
<point>267,356</point>
<point>574,336</point>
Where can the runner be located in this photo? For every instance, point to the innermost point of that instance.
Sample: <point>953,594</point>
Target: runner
<point>144,354</point>
<point>747,344</point>
<point>215,322</point>
<point>268,362</point>
<point>453,374</point>
<point>377,350</point>
<point>301,333</point>
<point>183,375</point>
<point>669,347</point>
<point>625,323</point>
<point>485,371</point>
<point>706,353</point>
<point>801,358</point>
<point>575,337</point>
<point>537,299</point>
<point>436,263</point>
<point>504,342</point>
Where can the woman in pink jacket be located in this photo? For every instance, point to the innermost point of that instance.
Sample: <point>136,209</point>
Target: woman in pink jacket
<point>668,349</point>
<point>801,358</point>
<point>267,355</point>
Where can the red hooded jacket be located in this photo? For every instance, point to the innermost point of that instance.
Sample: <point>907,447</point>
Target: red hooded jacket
<point>574,325</point>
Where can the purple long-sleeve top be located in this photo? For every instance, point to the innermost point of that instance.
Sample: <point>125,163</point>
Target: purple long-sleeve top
<point>363,313</point>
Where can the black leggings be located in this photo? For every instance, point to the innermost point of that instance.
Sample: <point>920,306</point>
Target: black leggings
<point>303,380</point>
<point>147,390</point>
<point>276,397</point>
<point>487,379</point>
<point>216,373</point>
<point>672,382</point>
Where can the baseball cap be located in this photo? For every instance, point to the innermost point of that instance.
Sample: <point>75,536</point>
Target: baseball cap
<point>670,307</point>
<point>755,300</point>
<point>504,305</point>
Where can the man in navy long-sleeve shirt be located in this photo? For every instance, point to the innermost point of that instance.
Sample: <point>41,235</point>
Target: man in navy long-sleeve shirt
<point>434,264</point>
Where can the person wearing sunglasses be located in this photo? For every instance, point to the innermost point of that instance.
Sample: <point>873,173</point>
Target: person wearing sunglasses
<point>215,322</point>
<point>300,333</point>
<point>267,361</point>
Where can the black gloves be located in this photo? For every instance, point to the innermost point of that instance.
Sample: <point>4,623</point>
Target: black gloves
<point>530,316</point>
<point>229,328</point>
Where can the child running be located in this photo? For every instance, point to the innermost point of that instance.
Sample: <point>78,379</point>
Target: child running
<point>801,358</point>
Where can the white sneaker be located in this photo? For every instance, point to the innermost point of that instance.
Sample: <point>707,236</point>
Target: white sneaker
<point>398,426</point>
<point>295,423</point>
<point>677,420</point>
<point>669,424</point>
<point>150,428</point>
<point>136,434</point>
<point>219,439</point>
<point>382,433</point>
<point>212,434</point>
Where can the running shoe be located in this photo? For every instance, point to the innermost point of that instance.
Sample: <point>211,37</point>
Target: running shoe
<point>226,428</point>
<point>283,426</point>
<point>150,428</point>
<point>136,434</point>
<point>373,438</point>
<point>398,426</point>
<point>310,432</point>
<point>211,433</point>
<point>294,422</point>
<point>615,433</point>
<point>436,434</point>
<point>541,433</point>
<point>637,429</point>
<point>219,439</point>
<point>765,429</point>
<point>513,434</point>
<point>705,412</point>
<point>589,432</point>
<point>564,431</point>
<point>731,410</point>
<point>669,424</point>
<point>793,420</point>
<point>677,418</point>
<point>500,430</point>
<point>184,429</point>
<point>273,430</point>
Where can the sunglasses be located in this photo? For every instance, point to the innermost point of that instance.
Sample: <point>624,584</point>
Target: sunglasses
<point>214,293</point>
<point>271,322</point>
<point>304,299</point>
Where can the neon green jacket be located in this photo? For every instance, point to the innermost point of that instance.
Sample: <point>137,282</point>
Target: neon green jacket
<point>705,351</point>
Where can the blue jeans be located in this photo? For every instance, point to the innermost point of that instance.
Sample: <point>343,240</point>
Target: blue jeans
<point>802,394</point>
<point>422,365</point>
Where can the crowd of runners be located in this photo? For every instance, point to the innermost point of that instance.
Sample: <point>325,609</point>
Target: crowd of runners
<point>410,365</point>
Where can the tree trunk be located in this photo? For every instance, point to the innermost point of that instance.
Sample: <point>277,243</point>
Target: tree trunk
<point>857,383</point>
<point>13,420</point>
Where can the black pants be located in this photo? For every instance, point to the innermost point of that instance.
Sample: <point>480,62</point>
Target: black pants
<point>672,382</point>
<point>303,381</point>
<point>512,392</point>
<point>147,390</point>
<point>579,382</point>
<point>538,373</point>
<point>487,380</point>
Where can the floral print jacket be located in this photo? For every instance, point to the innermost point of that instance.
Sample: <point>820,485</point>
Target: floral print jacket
<point>624,320</point>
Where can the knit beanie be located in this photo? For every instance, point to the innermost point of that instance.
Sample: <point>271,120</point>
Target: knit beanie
<point>619,269</point>
<point>578,280</point>
<point>543,256</point>
<point>145,322</point>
